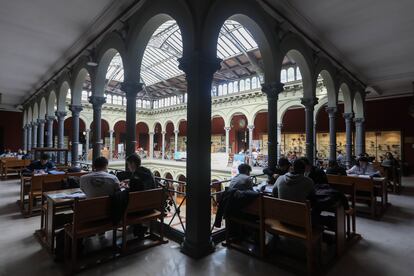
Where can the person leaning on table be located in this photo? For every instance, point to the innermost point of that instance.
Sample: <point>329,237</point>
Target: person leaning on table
<point>363,167</point>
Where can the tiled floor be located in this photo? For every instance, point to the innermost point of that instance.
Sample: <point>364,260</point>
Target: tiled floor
<point>387,248</point>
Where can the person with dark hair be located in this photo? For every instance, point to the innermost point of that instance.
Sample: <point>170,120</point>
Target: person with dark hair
<point>42,165</point>
<point>282,168</point>
<point>99,182</point>
<point>363,167</point>
<point>334,168</point>
<point>389,160</point>
<point>242,181</point>
<point>141,178</point>
<point>317,175</point>
<point>294,185</point>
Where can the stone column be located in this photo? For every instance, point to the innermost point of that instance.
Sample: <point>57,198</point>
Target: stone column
<point>279,140</point>
<point>227,129</point>
<point>176,140</point>
<point>131,90</point>
<point>250,128</point>
<point>111,143</point>
<point>348,135</point>
<point>332,132</point>
<point>272,91</point>
<point>76,109</point>
<point>34,136</point>
<point>61,130</point>
<point>97,102</point>
<point>87,131</point>
<point>25,138</point>
<point>49,141</point>
<point>359,136</point>
<point>41,133</point>
<point>29,137</point>
<point>151,145</point>
<point>309,104</point>
<point>199,70</point>
<point>163,145</point>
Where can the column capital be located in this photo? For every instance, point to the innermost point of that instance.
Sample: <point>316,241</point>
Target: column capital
<point>131,88</point>
<point>279,125</point>
<point>87,130</point>
<point>190,62</point>
<point>76,109</point>
<point>359,120</point>
<point>61,114</point>
<point>151,133</point>
<point>111,131</point>
<point>50,118</point>
<point>176,131</point>
<point>250,127</point>
<point>348,116</point>
<point>35,124</point>
<point>227,128</point>
<point>41,121</point>
<point>272,89</point>
<point>331,110</point>
<point>309,102</point>
<point>163,132</point>
<point>97,101</point>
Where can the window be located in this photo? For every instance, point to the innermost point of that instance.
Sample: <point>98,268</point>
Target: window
<point>69,95</point>
<point>248,84</point>
<point>230,87</point>
<point>298,74</point>
<point>84,95</point>
<point>185,97</point>
<point>290,74</point>
<point>108,98</point>
<point>283,78</point>
<point>225,89</point>
<point>220,90</point>
<point>214,91</point>
<point>242,85</point>
<point>236,86</point>
<point>254,82</point>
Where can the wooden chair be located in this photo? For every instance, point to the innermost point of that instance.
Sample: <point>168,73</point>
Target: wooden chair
<point>14,165</point>
<point>144,206</point>
<point>90,217</point>
<point>35,193</point>
<point>293,220</point>
<point>348,188</point>
<point>252,210</point>
<point>50,183</point>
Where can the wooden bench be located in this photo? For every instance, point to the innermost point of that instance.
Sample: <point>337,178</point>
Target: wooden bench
<point>346,186</point>
<point>13,165</point>
<point>293,220</point>
<point>144,206</point>
<point>90,217</point>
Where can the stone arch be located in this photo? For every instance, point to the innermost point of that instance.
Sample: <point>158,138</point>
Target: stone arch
<point>167,122</point>
<point>344,88</point>
<point>180,176</point>
<point>282,109</point>
<point>29,115</point>
<point>111,45</point>
<point>256,21</point>
<point>35,112</point>
<point>324,101</point>
<point>239,111</point>
<point>145,24</point>
<point>156,173</point>
<point>51,103</point>
<point>80,72</point>
<point>359,105</point>
<point>63,88</point>
<point>42,108</point>
<point>154,124</point>
<point>295,48</point>
<point>255,111</point>
<point>178,122</point>
<point>328,72</point>
<point>166,173</point>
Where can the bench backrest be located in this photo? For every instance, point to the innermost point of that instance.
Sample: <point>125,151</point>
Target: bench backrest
<point>146,200</point>
<point>36,183</point>
<point>16,163</point>
<point>87,212</point>
<point>361,184</point>
<point>288,212</point>
<point>253,208</point>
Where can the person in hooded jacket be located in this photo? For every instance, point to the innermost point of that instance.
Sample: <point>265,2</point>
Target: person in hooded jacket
<point>294,186</point>
<point>140,178</point>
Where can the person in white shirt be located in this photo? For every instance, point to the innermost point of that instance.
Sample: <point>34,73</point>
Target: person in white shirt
<point>363,167</point>
<point>99,182</point>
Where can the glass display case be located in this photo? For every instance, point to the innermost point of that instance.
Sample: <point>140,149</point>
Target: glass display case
<point>380,142</point>
<point>293,142</point>
<point>218,143</point>
<point>322,144</point>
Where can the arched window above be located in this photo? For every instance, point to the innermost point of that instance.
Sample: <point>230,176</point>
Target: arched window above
<point>231,88</point>
<point>225,90</point>
<point>220,90</point>
<point>298,74</point>
<point>290,74</point>
<point>254,82</point>
<point>236,86</point>
<point>242,88</point>
<point>248,87</point>
<point>283,76</point>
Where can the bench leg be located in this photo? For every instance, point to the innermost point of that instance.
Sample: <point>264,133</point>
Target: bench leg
<point>124,239</point>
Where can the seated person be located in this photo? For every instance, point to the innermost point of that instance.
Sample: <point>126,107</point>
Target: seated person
<point>389,161</point>
<point>242,181</point>
<point>363,167</point>
<point>294,185</point>
<point>99,182</point>
<point>42,165</point>
<point>334,168</point>
<point>317,175</point>
<point>282,168</point>
<point>141,178</point>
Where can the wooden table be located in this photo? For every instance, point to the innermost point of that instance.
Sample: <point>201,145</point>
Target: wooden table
<point>56,201</point>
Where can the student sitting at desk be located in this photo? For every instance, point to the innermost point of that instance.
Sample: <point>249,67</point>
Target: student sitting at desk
<point>42,165</point>
<point>363,167</point>
<point>99,182</point>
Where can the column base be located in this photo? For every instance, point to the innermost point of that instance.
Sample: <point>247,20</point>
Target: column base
<point>195,250</point>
